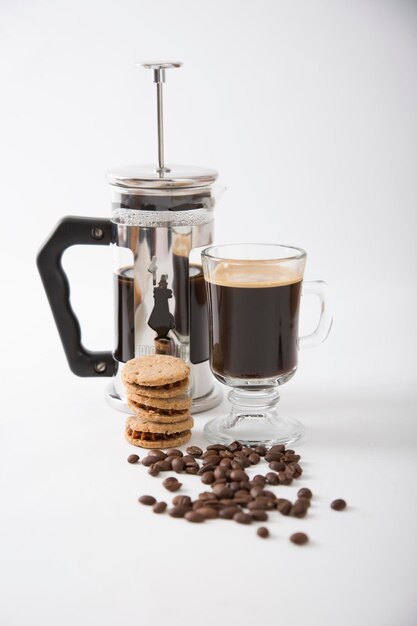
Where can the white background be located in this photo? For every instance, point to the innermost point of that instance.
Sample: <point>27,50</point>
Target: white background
<point>308,110</point>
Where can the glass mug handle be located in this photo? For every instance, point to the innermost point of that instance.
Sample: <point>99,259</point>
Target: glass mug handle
<point>320,289</point>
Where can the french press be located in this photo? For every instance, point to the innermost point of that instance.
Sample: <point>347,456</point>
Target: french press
<point>161,218</point>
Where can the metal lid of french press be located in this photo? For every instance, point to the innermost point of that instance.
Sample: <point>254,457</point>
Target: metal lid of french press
<point>162,177</point>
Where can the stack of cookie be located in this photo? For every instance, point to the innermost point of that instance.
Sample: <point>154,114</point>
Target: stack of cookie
<point>157,394</point>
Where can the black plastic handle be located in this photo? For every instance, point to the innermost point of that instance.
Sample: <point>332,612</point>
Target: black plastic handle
<point>68,232</point>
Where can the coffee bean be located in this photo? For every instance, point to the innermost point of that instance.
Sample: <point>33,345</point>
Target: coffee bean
<point>259,480</point>
<point>208,512</point>
<point>234,446</point>
<point>299,538</point>
<point>174,452</point>
<point>148,500</point>
<point>228,512</point>
<point>172,484</point>
<point>272,478</point>
<point>178,511</point>
<point>261,450</point>
<point>238,475</point>
<point>243,462</point>
<point>262,532</point>
<point>277,448</point>
<point>256,505</point>
<point>264,503</point>
<point>338,505</point>
<point>273,456</point>
<point>254,458</point>
<point>284,479</point>
<point>159,507</point>
<point>184,501</point>
<point>225,464</point>
<point>153,470</point>
<point>242,518</point>
<point>194,516</point>
<point>284,506</point>
<point>225,454</point>
<point>268,494</point>
<point>305,501</point>
<point>206,495</point>
<point>216,446</point>
<point>194,451</point>
<point>242,500</point>
<point>258,515</point>
<point>207,468</point>
<point>207,478</point>
<point>212,459</point>
<point>234,486</point>
<point>178,465</point>
<point>246,451</point>
<point>132,458</point>
<point>222,492</point>
<point>149,460</point>
<point>219,473</point>
<point>292,458</point>
<point>193,469</point>
<point>189,460</point>
<point>163,466</point>
<point>277,466</point>
<point>157,454</point>
<point>208,453</point>
<point>295,469</point>
<point>299,509</point>
<point>256,491</point>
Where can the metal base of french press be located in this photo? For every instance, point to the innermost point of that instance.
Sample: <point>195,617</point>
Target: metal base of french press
<point>206,391</point>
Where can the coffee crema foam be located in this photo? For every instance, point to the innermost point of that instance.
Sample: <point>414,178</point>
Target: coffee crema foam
<point>253,274</point>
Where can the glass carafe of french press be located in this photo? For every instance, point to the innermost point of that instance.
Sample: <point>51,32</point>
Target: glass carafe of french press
<point>161,217</point>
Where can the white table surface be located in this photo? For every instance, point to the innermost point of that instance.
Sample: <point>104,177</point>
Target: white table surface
<point>77,548</point>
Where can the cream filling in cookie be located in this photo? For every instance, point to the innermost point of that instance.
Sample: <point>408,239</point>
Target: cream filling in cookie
<point>137,434</point>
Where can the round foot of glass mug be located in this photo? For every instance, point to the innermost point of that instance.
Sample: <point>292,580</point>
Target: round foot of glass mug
<point>254,419</point>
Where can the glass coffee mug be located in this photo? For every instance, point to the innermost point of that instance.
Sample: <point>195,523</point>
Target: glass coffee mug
<point>254,293</point>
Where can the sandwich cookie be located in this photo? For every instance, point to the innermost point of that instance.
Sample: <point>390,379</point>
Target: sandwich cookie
<point>165,410</point>
<point>168,390</point>
<point>140,432</point>
<point>155,370</point>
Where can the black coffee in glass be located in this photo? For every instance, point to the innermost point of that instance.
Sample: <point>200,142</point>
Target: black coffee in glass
<point>254,321</point>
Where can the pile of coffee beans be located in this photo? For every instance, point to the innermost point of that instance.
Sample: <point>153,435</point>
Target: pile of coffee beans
<point>230,493</point>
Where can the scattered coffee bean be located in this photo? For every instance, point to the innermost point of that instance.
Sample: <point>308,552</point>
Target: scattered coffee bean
<point>178,511</point>
<point>157,454</point>
<point>299,538</point>
<point>208,512</point>
<point>207,478</point>
<point>228,512</point>
<point>273,456</point>
<point>177,464</point>
<point>163,466</point>
<point>277,466</point>
<point>259,515</point>
<point>272,478</point>
<point>147,461</point>
<point>338,505</point>
<point>174,452</point>
<point>305,493</point>
<point>182,501</point>
<point>242,518</point>
<point>194,451</point>
<point>132,458</point>
<point>256,491</point>
<point>254,458</point>
<point>261,450</point>
<point>234,447</point>
<point>299,509</point>
<point>153,470</point>
<point>194,516</point>
<point>284,506</point>
<point>172,484</point>
<point>262,532</point>
<point>279,447</point>
<point>238,475</point>
<point>159,507</point>
<point>192,469</point>
<point>259,479</point>
<point>148,500</point>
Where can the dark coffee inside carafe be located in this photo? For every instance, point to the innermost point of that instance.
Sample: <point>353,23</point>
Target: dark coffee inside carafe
<point>191,306</point>
<point>124,315</point>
